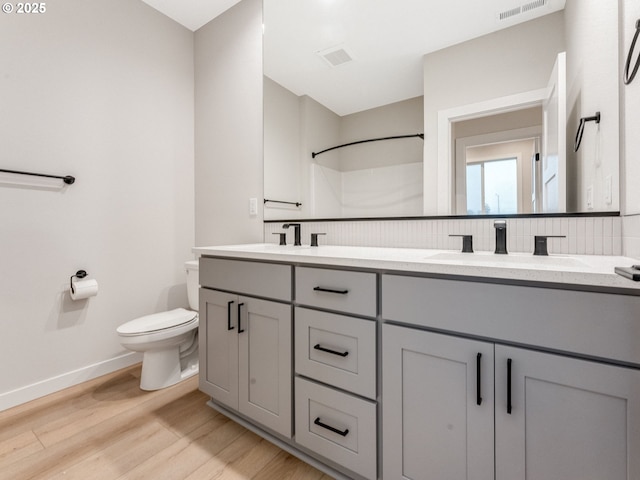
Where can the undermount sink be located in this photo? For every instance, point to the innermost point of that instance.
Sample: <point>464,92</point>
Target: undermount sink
<point>507,261</point>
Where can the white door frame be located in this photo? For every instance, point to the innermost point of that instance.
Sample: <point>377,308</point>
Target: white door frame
<point>446,149</point>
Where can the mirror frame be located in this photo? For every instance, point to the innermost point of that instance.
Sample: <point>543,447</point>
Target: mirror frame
<point>446,200</point>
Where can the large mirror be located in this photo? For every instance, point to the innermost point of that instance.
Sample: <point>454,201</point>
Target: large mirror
<point>473,107</point>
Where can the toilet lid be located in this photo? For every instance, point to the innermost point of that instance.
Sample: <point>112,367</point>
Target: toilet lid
<point>157,321</point>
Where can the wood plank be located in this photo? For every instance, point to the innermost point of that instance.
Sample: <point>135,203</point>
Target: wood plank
<point>287,467</point>
<point>108,429</point>
<point>18,447</point>
<point>186,413</point>
<point>187,454</point>
<point>125,453</point>
<point>33,415</point>
<point>241,459</point>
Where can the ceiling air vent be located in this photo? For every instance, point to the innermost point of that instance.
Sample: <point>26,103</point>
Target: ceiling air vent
<point>533,5</point>
<point>527,7</point>
<point>509,13</point>
<point>335,56</point>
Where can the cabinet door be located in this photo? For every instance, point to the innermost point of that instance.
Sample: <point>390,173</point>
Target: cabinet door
<point>265,363</point>
<point>218,346</point>
<point>433,426</point>
<point>570,419</point>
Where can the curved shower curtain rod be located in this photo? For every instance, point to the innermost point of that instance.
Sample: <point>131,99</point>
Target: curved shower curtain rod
<point>314,154</point>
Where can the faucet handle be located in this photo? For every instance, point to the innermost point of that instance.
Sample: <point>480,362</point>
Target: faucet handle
<point>283,237</point>
<point>540,243</point>
<point>467,243</point>
<point>314,239</point>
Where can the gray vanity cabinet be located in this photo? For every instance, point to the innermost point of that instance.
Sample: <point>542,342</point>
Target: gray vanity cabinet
<point>245,345</point>
<point>437,419</point>
<point>569,418</point>
<point>335,363</point>
<point>564,418</point>
<point>553,416</point>
<point>474,380</point>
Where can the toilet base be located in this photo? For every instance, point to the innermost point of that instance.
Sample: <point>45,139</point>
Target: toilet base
<point>162,368</point>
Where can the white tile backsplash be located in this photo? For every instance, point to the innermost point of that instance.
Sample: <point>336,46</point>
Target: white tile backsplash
<point>630,233</point>
<point>584,235</point>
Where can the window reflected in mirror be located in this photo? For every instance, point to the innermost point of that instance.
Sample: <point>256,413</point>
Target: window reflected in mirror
<point>492,187</point>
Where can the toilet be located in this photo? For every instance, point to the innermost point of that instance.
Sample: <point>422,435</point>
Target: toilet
<point>168,340</point>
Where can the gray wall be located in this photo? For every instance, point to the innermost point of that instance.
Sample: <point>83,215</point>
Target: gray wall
<point>592,85</point>
<point>400,118</point>
<point>282,156</point>
<point>510,61</point>
<point>228,119</point>
<point>102,90</point>
<point>630,95</point>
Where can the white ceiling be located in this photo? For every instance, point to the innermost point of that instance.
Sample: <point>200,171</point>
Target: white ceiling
<point>192,14</point>
<point>387,40</point>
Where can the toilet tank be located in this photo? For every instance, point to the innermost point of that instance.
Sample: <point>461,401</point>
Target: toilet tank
<point>193,283</point>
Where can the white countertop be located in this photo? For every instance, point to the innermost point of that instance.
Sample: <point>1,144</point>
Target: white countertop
<point>584,270</point>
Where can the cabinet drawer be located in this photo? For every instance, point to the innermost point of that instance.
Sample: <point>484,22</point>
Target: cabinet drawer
<point>250,278</point>
<point>338,426</point>
<point>597,324</point>
<point>337,350</point>
<point>350,292</point>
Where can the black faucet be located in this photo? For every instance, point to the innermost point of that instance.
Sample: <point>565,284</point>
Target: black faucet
<point>296,232</point>
<point>501,236</point>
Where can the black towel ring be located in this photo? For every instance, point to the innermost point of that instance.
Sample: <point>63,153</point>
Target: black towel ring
<point>629,78</point>
<point>583,120</point>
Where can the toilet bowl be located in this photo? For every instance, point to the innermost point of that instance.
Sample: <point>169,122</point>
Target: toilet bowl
<point>168,340</point>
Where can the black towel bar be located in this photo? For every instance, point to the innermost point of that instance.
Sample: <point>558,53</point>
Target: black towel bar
<point>628,77</point>
<point>583,120</point>
<point>68,179</point>
<point>297,204</point>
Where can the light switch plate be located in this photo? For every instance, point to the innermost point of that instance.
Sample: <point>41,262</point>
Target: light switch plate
<point>253,207</point>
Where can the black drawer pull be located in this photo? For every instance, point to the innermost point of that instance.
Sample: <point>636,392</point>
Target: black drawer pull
<point>331,290</point>
<point>329,427</point>
<point>229,327</point>
<point>478,380</point>
<point>509,406</point>
<point>328,350</point>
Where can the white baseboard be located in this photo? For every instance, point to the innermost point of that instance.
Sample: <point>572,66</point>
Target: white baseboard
<point>45,387</point>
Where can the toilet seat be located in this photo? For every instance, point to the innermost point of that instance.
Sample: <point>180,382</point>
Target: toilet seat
<point>158,322</point>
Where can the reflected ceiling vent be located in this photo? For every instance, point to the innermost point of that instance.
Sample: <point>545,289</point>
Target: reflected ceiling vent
<point>527,7</point>
<point>335,56</point>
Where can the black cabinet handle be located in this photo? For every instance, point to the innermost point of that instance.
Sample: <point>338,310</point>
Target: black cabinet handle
<point>331,290</point>
<point>478,380</point>
<point>509,386</point>
<point>329,427</point>
<point>240,330</point>
<point>229,327</point>
<point>323,349</point>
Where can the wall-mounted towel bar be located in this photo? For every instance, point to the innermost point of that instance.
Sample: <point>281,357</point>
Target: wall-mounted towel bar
<point>628,77</point>
<point>297,204</point>
<point>68,179</point>
<point>583,120</point>
<point>420,135</point>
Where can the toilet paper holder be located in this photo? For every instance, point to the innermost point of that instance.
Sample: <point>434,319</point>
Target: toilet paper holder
<point>78,274</point>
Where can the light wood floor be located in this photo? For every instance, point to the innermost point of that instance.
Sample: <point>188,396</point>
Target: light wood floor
<point>108,428</point>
